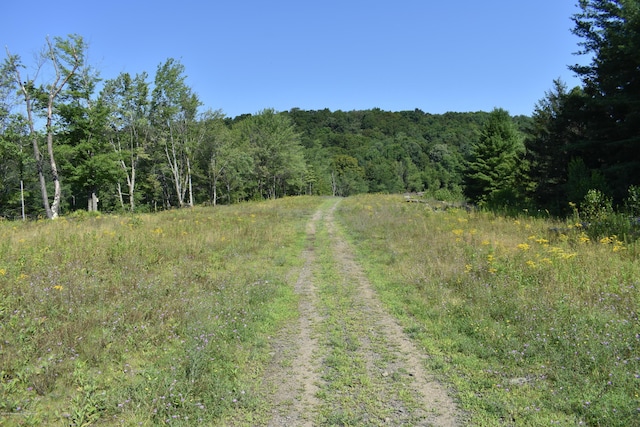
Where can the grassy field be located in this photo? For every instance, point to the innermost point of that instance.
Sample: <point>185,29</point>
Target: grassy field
<point>530,327</point>
<point>145,319</point>
<point>168,318</point>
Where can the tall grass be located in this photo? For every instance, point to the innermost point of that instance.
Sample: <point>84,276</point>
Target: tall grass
<point>144,319</point>
<point>531,322</point>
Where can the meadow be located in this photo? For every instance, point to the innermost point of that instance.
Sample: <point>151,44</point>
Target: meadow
<point>145,319</point>
<point>530,321</point>
<point>169,318</point>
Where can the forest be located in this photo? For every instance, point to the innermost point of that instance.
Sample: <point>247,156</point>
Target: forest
<point>72,141</point>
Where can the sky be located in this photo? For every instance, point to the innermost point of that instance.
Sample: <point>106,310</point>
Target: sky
<point>244,56</point>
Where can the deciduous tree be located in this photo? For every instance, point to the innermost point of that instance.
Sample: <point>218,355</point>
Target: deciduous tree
<point>128,102</point>
<point>174,109</point>
<point>64,56</point>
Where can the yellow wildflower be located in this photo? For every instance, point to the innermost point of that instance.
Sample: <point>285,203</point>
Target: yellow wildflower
<point>458,232</point>
<point>531,264</point>
<point>3,271</point>
<point>618,246</point>
<point>606,240</point>
<point>58,287</point>
<point>523,247</point>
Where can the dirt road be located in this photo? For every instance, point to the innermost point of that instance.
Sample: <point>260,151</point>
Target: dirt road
<point>347,361</point>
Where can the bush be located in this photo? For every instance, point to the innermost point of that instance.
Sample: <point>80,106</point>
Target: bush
<point>600,220</point>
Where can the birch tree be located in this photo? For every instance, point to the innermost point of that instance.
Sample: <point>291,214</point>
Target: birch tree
<point>174,109</point>
<point>62,57</point>
<point>128,101</point>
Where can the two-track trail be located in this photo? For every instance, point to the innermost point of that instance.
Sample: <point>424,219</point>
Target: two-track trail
<point>347,361</point>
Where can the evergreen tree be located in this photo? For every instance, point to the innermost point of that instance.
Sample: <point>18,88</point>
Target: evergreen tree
<point>491,172</point>
<point>551,142</point>
<point>610,32</point>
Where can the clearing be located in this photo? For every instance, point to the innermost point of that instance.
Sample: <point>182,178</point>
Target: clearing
<point>347,361</point>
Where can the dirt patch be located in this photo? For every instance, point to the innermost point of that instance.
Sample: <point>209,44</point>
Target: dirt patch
<point>295,371</point>
<point>407,394</point>
<point>439,407</point>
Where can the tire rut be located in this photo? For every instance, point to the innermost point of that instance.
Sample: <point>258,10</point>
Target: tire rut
<point>397,390</point>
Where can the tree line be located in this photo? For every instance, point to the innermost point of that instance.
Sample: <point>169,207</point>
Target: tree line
<point>70,141</point>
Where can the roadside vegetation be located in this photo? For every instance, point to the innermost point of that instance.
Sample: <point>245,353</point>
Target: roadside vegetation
<point>170,317</point>
<point>152,319</point>
<point>531,321</point>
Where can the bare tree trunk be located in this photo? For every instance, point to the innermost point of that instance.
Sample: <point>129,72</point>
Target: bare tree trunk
<point>92,204</point>
<point>173,164</point>
<point>57,189</point>
<point>22,199</point>
<point>131,181</point>
<point>120,198</point>
<point>190,185</point>
<point>334,184</point>
<point>39,166</point>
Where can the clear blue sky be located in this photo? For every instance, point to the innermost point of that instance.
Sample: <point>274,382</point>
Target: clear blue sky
<point>244,56</point>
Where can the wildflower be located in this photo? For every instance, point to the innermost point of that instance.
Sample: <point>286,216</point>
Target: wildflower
<point>606,240</point>
<point>490,258</point>
<point>618,246</point>
<point>523,247</point>
<point>542,241</point>
<point>493,271</point>
<point>458,232</point>
<point>3,271</point>
<point>583,238</point>
<point>467,268</point>
<point>485,243</point>
<point>531,264</point>
<point>58,287</point>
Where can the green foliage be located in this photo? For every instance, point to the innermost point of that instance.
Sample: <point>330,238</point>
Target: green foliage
<point>492,170</point>
<point>581,180</point>
<point>527,326</point>
<point>610,33</point>
<point>278,164</point>
<point>347,176</point>
<point>599,219</point>
<point>632,203</point>
<point>146,318</point>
